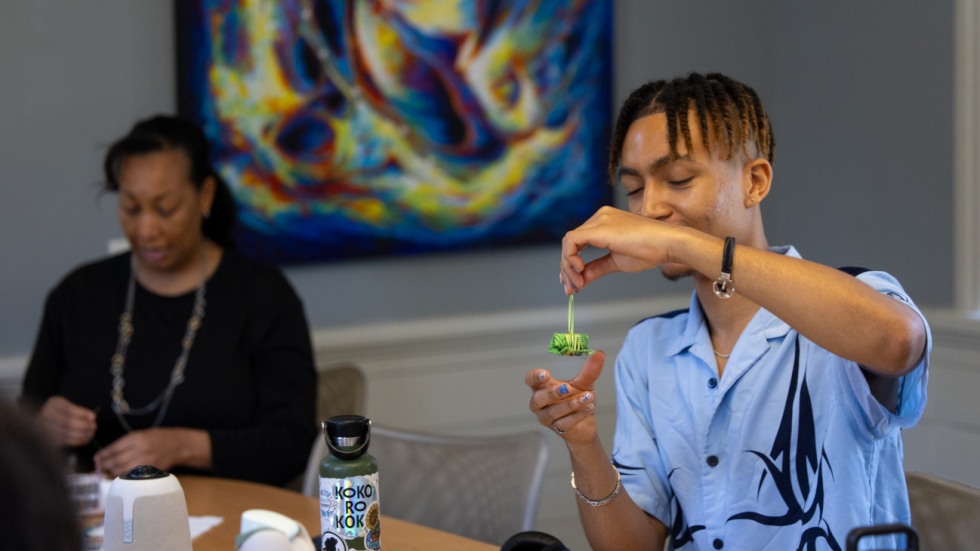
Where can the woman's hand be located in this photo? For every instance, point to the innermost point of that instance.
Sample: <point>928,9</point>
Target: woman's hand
<point>66,424</point>
<point>164,448</point>
<point>567,407</point>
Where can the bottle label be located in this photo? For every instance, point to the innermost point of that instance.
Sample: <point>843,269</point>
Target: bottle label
<point>350,515</point>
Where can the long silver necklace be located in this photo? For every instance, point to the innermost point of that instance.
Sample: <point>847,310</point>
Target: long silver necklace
<point>119,404</point>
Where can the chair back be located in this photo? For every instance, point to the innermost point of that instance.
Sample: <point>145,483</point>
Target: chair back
<point>945,513</point>
<point>341,390</point>
<point>486,488</point>
<point>482,487</point>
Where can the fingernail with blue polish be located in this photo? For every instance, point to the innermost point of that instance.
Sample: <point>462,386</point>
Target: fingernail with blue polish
<point>585,397</point>
<point>563,389</point>
<point>542,376</point>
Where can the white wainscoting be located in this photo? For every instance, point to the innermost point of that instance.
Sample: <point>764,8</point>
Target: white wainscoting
<point>946,442</point>
<point>11,374</point>
<point>465,376</point>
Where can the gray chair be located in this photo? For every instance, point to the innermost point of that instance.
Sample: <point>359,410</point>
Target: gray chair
<point>945,513</point>
<point>341,390</point>
<point>482,487</point>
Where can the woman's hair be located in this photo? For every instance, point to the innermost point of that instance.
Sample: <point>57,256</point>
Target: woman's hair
<point>164,132</point>
<point>36,511</point>
<point>728,112</point>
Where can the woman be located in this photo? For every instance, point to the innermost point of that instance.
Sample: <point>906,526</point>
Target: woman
<point>181,353</point>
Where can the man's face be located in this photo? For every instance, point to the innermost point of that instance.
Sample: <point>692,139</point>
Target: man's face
<point>700,189</point>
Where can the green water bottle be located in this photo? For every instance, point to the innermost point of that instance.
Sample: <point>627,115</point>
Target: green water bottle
<point>350,513</point>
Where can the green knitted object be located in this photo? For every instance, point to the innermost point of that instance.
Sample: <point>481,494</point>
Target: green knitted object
<point>571,343</point>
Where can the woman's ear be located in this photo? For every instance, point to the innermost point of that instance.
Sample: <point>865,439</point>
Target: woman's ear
<point>757,175</point>
<point>206,195</point>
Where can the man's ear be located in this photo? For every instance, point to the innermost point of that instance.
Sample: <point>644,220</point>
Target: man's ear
<point>757,176</point>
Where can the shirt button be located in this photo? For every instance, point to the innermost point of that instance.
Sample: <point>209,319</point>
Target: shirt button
<point>712,382</point>
<point>718,544</point>
<point>712,461</point>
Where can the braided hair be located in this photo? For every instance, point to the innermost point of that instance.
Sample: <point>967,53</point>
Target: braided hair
<point>729,115</point>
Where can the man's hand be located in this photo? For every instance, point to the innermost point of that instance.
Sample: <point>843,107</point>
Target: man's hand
<point>635,243</point>
<point>567,407</point>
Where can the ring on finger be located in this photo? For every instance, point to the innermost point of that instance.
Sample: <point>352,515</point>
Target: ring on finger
<point>554,427</point>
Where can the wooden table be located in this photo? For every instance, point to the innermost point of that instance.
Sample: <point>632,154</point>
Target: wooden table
<point>208,496</point>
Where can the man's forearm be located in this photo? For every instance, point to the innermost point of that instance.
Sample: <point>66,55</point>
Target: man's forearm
<point>833,309</point>
<point>618,524</point>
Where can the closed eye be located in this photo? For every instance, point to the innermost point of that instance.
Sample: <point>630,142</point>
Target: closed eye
<point>166,211</point>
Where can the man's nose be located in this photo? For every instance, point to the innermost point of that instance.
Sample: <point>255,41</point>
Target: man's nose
<point>655,204</point>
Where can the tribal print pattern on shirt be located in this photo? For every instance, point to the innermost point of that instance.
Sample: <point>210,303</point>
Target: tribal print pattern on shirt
<point>800,485</point>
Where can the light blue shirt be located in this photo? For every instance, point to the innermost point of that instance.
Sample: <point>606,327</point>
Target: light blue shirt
<point>787,449</point>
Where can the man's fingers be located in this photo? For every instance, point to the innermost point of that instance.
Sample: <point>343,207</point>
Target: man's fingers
<point>587,377</point>
<point>602,266</point>
<point>576,274</point>
<point>569,421</point>
<point>547,391</point>
<point>537,378</point>
<point>570,278</point>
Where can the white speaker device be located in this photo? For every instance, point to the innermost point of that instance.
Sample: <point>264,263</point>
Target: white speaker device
<point>146,511</point>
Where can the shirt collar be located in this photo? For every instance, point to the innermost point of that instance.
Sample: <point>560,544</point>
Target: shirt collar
<point>763,327</point>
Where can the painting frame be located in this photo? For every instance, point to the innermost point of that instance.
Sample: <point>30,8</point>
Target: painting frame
<point>483,129</point>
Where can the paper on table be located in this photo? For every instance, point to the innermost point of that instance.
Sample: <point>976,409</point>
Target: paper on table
<point>199,525</point>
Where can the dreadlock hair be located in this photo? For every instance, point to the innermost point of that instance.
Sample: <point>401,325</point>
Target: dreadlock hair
<point>729,115</point>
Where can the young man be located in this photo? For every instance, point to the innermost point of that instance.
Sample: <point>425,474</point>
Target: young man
<point>767,414</point>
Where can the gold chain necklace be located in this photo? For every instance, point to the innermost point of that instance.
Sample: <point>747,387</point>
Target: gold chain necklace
<point>119,404</point>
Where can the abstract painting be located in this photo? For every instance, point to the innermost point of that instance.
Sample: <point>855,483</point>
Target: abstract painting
<point>360,128</point>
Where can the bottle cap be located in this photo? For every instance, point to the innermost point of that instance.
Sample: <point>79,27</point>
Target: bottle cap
<point>347,436</point>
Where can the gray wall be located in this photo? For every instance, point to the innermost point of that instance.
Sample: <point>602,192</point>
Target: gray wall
<point>862,106</point>
<point>859,92</point>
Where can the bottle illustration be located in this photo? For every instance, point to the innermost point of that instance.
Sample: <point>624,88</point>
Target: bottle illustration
<point>350,512</point>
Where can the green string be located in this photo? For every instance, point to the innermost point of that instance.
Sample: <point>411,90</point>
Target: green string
<point>570,344</point>
<point>571,315</point>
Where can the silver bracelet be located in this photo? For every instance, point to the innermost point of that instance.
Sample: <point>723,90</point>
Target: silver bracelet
<point>603,501</point>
